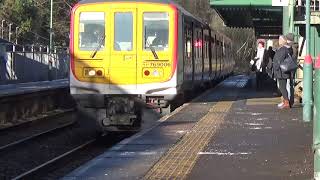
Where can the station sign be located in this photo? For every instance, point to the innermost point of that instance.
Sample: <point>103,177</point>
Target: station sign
<point>280,2</point>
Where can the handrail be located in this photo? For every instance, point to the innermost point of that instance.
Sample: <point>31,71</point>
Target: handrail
<point>314,4</point>
<point>32,48</point>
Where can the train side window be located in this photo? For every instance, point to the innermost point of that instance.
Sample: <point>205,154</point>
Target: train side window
<point>197,45</point>
<point>223,49</point>
<point>188,48</point>
<point>207,48</point>
<point>156,30</point>
<point>201,44</point>
<point>123,31</point>
<point>91,31</point>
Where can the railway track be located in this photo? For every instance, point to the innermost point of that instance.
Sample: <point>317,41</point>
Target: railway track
<point>40,168</point>
<point>64,162</point>
<point>53,149</point>
<point>33,137</point>
<point>59,146</point>
<point>33,128</point>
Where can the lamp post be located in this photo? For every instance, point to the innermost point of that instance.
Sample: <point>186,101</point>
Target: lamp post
<point>316,121</point>
<point>2,29</point>
<point>51,24</point>
<point>307,72</point>
<point>10,33</point>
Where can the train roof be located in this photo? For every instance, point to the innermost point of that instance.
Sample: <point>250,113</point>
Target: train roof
<point>152,1</point>
<point>179,7</point>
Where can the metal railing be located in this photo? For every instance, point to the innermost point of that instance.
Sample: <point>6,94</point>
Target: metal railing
<point>314,4</point>
<point>32,63</point>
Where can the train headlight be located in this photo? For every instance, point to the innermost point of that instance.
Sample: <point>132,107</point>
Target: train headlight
<point>92,73</point>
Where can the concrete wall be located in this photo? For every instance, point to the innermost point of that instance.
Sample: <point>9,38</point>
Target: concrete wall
<point>17,109</point>
<point>31,65</point>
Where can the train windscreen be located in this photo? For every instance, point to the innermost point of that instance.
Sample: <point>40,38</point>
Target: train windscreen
<point>156,30</point>
<point>91,31</point>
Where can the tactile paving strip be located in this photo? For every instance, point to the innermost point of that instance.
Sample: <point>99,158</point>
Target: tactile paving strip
<point>180,159</point>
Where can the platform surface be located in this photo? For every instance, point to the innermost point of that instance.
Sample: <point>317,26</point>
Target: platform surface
<point>230,132</point>
<point>32,87</point>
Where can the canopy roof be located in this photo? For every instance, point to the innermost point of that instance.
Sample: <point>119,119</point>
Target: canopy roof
<point>261,15</point>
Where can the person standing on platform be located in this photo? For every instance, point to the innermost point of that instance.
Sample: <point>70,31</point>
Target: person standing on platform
<point>260,64</point>
<point>281,54</point>
<point>270,62</point>
<point>293,47</point>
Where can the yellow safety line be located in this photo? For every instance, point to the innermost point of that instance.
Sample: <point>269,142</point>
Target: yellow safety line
<point>178,162</point>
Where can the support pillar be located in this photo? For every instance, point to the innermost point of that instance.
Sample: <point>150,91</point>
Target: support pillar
<point>307,72</point>
<point>316,121</point>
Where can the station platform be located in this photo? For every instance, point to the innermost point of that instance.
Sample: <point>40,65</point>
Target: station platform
<point>229,132</point>
<point>32,87</point>
<point>27,102</point>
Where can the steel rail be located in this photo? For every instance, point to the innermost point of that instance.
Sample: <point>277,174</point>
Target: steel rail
<point>33,171</point>
<point>24,140</point>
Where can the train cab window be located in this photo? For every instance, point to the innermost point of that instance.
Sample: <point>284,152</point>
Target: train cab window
<point>91,31</point>
<point>123,31</point>
<point>156,30</point>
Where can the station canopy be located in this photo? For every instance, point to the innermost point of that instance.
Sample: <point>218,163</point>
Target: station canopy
<point>265,16</point>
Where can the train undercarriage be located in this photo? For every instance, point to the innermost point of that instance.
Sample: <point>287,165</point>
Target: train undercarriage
<point>120,113</point>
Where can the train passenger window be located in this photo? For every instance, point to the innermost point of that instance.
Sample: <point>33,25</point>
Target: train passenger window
<point>91,31</point>
<point>155,30</point>
<point>188,48</point>
<point>123,31</point>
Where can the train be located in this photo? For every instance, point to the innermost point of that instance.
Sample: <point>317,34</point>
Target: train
<point>124,53</point>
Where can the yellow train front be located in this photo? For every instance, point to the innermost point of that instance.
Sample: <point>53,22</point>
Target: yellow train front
<point>152,50</point>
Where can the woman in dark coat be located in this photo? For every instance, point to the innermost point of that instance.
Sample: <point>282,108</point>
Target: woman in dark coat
<point>281,54</point>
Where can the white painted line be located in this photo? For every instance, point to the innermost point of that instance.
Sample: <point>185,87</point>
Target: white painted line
<point>255,128</point>
<point>254,124</point>
<point>261,119</point>
<point>181,132</point>
<point>147,153</point>
<point>256,114</point>
<point>224,153</point>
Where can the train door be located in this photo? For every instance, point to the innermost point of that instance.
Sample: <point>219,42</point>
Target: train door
<point>188,53</point>
<point>123,60</point>
<point>197,36</point>
<point>223,58</point>
<point>207,67</point>
<point>214,56</point>
<point>218,57</point>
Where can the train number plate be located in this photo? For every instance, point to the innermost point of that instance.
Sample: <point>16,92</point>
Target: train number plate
<point>157,64</point>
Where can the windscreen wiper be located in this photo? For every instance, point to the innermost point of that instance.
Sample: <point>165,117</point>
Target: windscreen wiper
<point>155,55</point>
<point>98,47</point>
